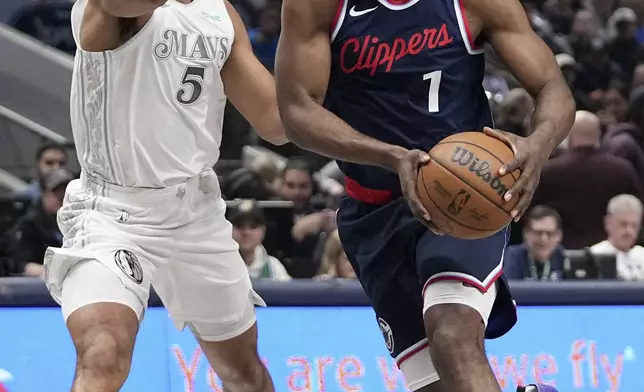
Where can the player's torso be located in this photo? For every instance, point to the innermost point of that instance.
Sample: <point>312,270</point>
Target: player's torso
<point>405,72</point>
<point>150,113</point>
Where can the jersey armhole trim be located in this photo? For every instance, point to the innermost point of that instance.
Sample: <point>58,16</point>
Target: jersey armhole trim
<point>336,25</point>
<point>464,27</point>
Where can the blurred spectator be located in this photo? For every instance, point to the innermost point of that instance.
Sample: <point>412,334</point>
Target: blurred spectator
<point>622,222</point>
<point>635,5</point>
<point>614,104</point>
<point>249,228</point>
<point>244,183</point>
<point>623,48</point>
<point>541,256</point>
<point>297,185</point>
<point>597,69</point>
<point>245,11</point>
<point>638,77</point>
<point>267,169</point>
<point>38,229</point>
<point>335,263</point>
<point>264,38</point>
<point>513,113</point>
<point>560,13</point>
<point>626,140</point>
<point>542,26</point>
<point>569,69</point>
<point>48,158</point>
<point>312,222</point>
<point>584,31</point>
<point>579,183</point>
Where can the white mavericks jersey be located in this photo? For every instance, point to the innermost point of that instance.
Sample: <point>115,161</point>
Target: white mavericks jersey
<point>150,113</point>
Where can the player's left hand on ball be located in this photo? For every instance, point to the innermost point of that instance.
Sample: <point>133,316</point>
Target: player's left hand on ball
<point>529,157</point>
<point>407,168</point>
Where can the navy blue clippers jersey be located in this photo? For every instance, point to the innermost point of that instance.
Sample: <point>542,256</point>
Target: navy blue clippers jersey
<point>404,72</point>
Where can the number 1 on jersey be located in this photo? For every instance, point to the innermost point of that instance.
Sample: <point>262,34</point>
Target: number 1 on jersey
<point>434,85</point>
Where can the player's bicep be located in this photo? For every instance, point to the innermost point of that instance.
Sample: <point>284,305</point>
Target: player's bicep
<point>303,62</point>
<point>525,54</point>
<point>247,83</point>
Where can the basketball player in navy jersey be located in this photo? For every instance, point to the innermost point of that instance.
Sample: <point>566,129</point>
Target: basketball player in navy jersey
<point>375,84</point>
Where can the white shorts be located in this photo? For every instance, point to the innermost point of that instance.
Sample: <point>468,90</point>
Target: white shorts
<point>416,362</point>
<point>175,239</point>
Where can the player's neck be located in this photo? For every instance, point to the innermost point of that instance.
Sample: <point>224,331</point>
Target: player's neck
<point>185,1</point>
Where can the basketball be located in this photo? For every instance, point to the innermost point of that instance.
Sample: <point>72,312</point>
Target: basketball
<point>461,188</point>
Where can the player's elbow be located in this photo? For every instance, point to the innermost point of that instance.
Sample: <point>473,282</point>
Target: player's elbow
<point>274,133</point>
<point>568,104</point>
<point>294,114</point>
<point>293,127</point>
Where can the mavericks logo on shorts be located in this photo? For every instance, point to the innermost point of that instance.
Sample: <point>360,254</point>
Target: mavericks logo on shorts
<point>387,334</point>
<point>129,264</point>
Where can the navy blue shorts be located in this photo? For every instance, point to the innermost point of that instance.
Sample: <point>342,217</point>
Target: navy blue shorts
<point>395,257</point>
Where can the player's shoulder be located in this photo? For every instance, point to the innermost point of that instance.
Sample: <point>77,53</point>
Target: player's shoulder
<point>322,12</point>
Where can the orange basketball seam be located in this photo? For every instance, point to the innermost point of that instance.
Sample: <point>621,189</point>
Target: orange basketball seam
<point>422,174</point>
<point>482,148</point>
<point>470,185</point>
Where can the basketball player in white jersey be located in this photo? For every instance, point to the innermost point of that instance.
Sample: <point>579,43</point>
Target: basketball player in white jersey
<point>149,87</point>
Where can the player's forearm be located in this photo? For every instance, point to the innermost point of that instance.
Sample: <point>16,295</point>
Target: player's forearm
<point>314,128</point>
<point>130,8</point>
<point>554,114</point>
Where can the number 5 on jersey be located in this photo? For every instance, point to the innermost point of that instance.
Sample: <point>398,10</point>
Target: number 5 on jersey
<point>434,85</point>
<point>192,82</point>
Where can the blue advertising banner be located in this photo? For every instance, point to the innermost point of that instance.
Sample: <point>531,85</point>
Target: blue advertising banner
<point>333,349</point>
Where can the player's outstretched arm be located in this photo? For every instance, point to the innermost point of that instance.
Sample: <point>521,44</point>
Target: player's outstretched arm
<point>302,74</point>
<point>250,87</point>
<point>506,26</point>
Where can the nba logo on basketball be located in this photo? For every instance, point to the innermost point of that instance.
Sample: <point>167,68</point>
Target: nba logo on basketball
<point>459,202</point>
<point>5,376</point>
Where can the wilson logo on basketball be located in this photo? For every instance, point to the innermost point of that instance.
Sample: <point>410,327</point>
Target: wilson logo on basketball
<point>466,158</point>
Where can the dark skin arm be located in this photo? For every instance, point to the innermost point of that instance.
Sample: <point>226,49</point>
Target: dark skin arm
<point>302,71</point>
<point>506,26</point>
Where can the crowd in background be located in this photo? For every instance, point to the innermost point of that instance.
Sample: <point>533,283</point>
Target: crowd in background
<point>284,199</point>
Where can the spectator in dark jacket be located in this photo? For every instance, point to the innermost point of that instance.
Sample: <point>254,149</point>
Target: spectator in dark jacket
<point>580,182</point>
<point>540,256</point>
<point>626,140</point>
<point>38,229</point>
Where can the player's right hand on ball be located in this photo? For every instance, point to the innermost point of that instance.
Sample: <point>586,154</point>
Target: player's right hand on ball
<point>407,167</point>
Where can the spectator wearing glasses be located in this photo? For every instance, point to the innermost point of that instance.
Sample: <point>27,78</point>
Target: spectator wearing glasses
<point>540,257</point>
<point>48,158</point>
<point>622,223</point>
